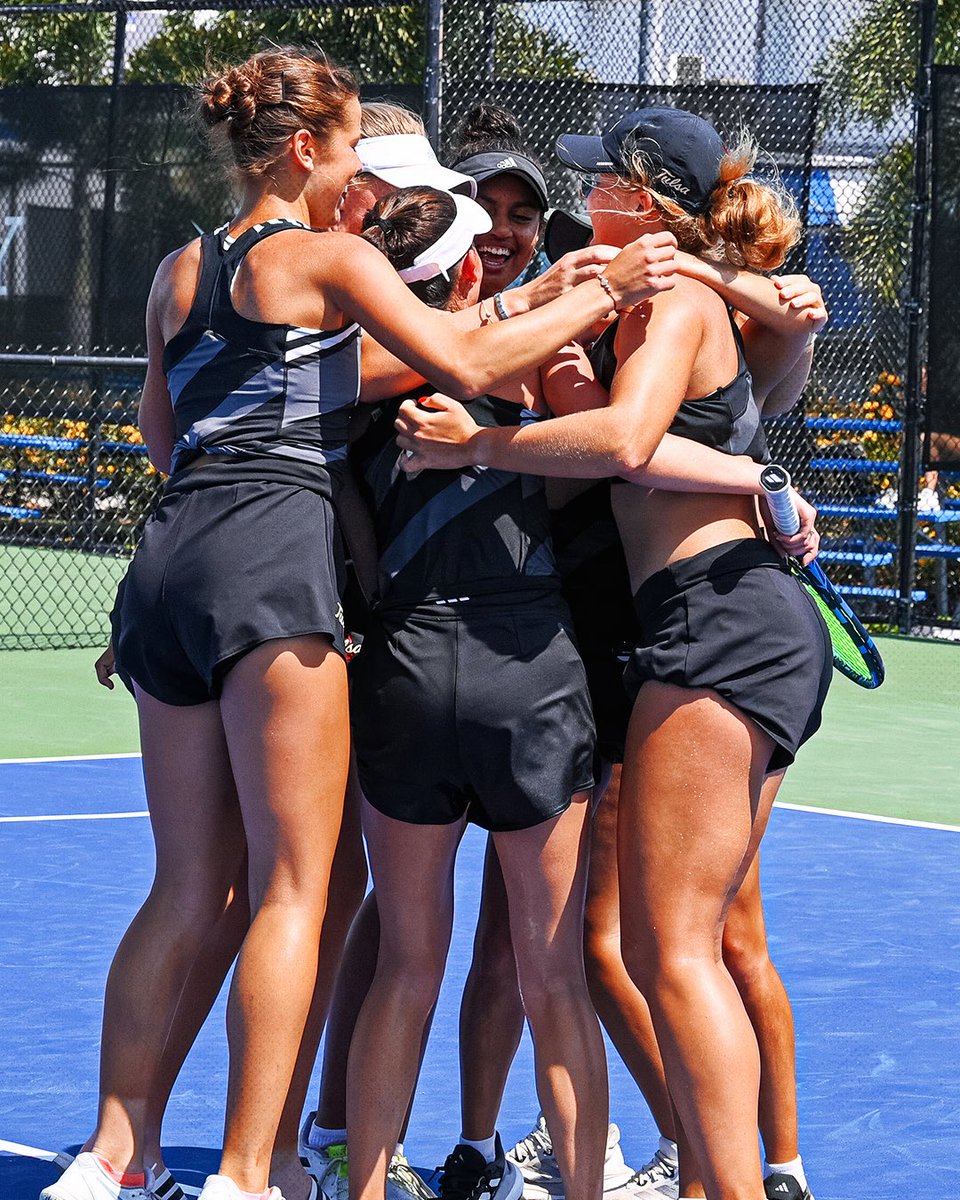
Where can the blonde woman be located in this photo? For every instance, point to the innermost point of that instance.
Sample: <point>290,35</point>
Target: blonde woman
<point>730,674</point>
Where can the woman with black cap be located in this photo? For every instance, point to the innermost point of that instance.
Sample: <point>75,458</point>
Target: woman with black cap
<point>489,147</point>
<point>732,654</point>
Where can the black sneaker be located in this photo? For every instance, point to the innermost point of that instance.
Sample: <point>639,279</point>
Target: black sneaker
<point>779,1186</point>
<point>468,1176</point>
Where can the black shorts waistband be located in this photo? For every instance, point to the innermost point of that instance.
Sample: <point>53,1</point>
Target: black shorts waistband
<point>215,472</point>
<point>727,558</point>
<point>468,599</point>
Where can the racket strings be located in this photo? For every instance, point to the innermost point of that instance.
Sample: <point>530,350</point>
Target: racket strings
<point>847,651</point>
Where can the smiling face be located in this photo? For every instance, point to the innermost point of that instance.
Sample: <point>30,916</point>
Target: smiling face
<point>361,194</point>
<point>517,224</point>
<point>335,164</point>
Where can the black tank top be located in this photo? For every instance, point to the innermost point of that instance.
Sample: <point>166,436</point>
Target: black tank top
<point>453,535</point>
<point>273,400</point>
<point>728,419</point>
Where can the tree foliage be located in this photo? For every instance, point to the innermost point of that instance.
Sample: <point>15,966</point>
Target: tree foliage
<point>871,71</point>
<point>46,48</point>
<point>870,74</point>
<point>382,45</point>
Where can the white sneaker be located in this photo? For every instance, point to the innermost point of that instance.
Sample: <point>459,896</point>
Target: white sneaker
<point>329,1168</point>
<point>659,1179</point>
<point>403,1182</point>
<point>85,1179</point>
<point>534,1156</point>
<point>222,1187</point>
<point>616,1173</point>
<point>541,1173</point>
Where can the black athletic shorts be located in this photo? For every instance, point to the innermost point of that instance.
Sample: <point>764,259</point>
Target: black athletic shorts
<point>596,586</point>
<point>733,619</point>
<point>604,652</point>
<point>220,569</point>
<point>478,708</point>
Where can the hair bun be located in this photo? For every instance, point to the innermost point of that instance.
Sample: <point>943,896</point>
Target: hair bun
<point>231,97</point>
<point>488,127</point>
<point>490,120</point>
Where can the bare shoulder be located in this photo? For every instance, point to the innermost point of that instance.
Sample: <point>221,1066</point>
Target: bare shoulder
<point>325,250</point>
<point>180,266</point>
<point>673,314</point>
<point>174,287</point>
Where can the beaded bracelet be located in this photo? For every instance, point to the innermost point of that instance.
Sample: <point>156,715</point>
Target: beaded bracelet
<point>499,307</point>
<point>605,284</point>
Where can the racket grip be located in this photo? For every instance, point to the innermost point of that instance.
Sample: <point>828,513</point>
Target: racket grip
<point>775,481</point>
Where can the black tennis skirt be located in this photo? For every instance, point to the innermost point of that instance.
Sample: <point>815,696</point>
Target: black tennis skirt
<point>733,619</point>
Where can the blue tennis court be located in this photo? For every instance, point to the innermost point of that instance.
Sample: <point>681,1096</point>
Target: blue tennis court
<point>864,926</point>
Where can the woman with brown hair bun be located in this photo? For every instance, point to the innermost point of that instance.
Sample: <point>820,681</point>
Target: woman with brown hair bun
<point>227,626</point>
<point>732,668</point>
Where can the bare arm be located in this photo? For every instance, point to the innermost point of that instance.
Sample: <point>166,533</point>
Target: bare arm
<point>676,465</point>
<point>616,440</point>
<point>155,415</point>
<point>385,374</point>
<point>785,392</point>
<point>756,296</point>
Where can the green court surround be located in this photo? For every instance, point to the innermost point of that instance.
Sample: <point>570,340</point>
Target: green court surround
<point>894,752</point>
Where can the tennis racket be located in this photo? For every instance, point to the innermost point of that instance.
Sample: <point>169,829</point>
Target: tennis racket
<point>854,653</point>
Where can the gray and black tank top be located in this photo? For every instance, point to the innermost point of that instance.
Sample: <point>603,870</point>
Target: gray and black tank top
<point>274,400</point>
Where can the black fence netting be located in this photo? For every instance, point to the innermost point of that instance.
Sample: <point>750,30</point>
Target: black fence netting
<point>102,172</point>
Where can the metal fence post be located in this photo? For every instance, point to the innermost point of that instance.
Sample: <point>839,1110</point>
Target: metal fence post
<point>104,277</point>
<point>913,401</point>
<point>433,82</point>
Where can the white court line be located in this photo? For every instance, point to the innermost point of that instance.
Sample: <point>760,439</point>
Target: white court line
<point>859,816</point>
<point>808,808</point>
<point>66,758</point>
<point>73,817</point>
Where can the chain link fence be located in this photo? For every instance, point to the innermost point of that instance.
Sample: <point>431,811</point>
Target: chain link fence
<point>101,174</point>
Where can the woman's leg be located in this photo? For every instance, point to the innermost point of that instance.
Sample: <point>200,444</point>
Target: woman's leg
<point>545,871</point>
<point>619,1004</point>
<point>747,957</point>
<point>284,709</point>
<point>357,970</point>
<point>199,848</point>
<point>491,1011</point>
<point>690,801</point>
<point>415,910</point>
<point>348,880</point>
<point>199,993</point>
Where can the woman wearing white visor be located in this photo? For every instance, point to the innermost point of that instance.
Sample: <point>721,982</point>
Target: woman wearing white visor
<point>469,704</point>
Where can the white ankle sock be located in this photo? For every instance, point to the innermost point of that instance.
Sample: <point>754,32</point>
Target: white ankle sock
<point>668,1149</point>
<point>486,1146</point>
<point>319,1137</point>
<point>794,1168</point>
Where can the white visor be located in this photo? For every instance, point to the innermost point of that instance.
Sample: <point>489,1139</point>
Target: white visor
<point>408,160</point>
<point>452,244</point>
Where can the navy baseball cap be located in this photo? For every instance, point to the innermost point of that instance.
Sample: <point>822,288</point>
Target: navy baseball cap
<point>684,151</point>
<point>565,232</point>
